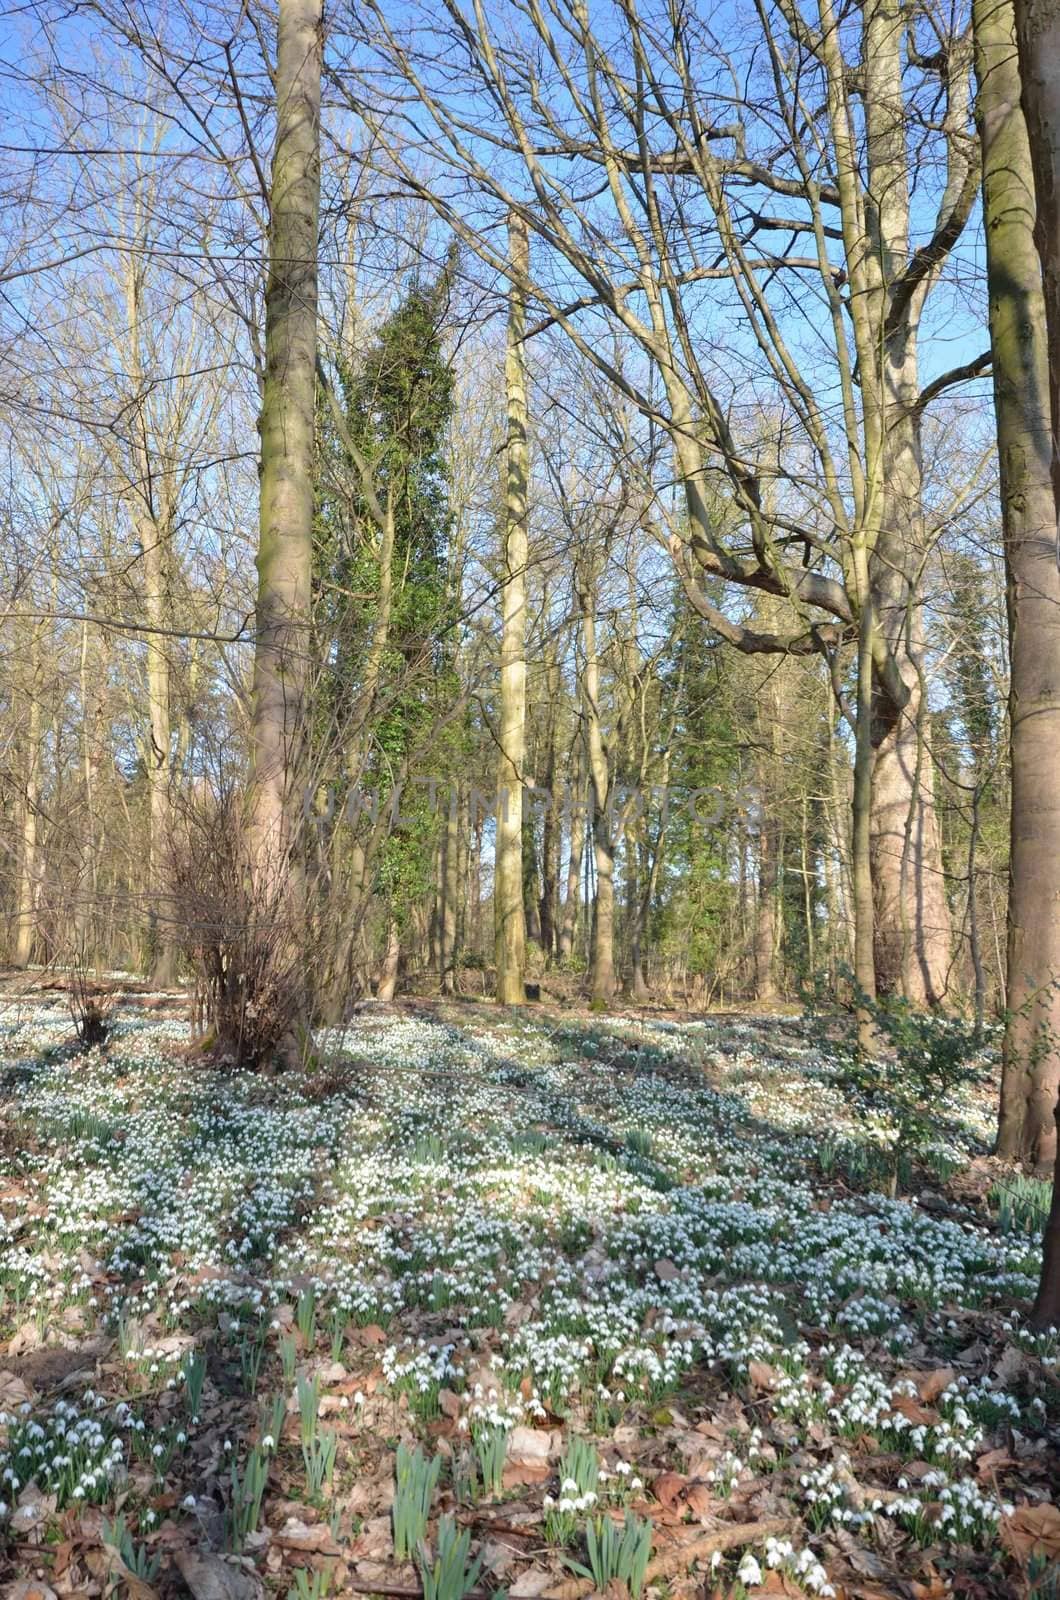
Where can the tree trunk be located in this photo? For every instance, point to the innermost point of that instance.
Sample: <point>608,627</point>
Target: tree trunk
<point>161,950</point>
<point>569,917</point>
<point>1026,1129</point>
<point>1045,1313</point>
<point>765,943</point>
<point>638,904</point>
<point>279,717</point>
<point>913,923</point>
<point>508,875</point>
<point>26,933</point>
<point>975,947</point>
<point>861,819</point>
<point>1038,35</point>
<point>450,892</point>
<point>602,979</point>
<point>531,879</point>
<point>388,972</point>
<point>1038,32</point>
<point>94,679</point>
<point>808,879</point>
<point>550,847</point>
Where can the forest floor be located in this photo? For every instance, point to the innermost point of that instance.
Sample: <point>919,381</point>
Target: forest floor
<point>228,1298</point>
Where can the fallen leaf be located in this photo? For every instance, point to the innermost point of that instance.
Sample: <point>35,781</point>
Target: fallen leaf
<point>528,1444</point>
<point>298,1535</point>
<point>496,1557</point>
<point>920,1416</point>
<point>27,1337</point>
<point>1013,1364</point>
<point>1032,1531</point>
<point>699,1500</point>
<point>33,1508</point>
<point>569,1589</point>
<point>135,1586</point>
<point>27,1589</point>
<point>529,1584</point>
<point>933,1587</point>
<point>929,1385</point>
<point>762,1375</point>
<point>668,1488</point>
<point>449,1403</point>
<point>375,1539</point>
<point>863,1561</point>
<point>518,1474</point>
<point>993,1461</point>
<point>14,1391</point>
<point>778,1583</point>
<point>211,1577</point>
<point>376,1573</point>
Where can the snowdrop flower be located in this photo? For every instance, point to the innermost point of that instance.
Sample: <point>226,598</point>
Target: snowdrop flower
<point>749,1572</point>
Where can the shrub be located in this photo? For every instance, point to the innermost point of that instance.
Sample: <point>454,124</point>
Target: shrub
<point>240,937</point>
<point>923,1056</point>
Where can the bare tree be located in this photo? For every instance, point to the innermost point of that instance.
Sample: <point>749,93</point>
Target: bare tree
<point>625,167</point>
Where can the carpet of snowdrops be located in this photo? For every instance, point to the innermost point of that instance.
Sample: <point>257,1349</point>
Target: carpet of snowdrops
<point>629,1277</point>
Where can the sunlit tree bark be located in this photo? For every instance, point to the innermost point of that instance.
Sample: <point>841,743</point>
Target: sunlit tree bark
<point>1018,335</point>
<point>284,560</point>
<point>508,878</point>
<point>1038,33</point>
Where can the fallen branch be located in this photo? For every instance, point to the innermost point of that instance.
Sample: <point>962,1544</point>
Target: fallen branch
<point>679,1556</point>
<point>402,1592</point>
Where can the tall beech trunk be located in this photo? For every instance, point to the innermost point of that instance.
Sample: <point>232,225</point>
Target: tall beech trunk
<point>638,910</point>
<point>154,513</point>
<point>861,816</point>
<point>765,938</point>
<point>508,877</point>
<point>1038,36</point>
<point>809,877</point>
<point>161,950</point>
<point>569,916</point>
<point>1031,1068</point>
<point>450,887</point>
<point>388,972</point>
<point>1037,25</point>
<point>913,927</point>
<point>531,877</point>
<point>29,804</point>
<point>95,663</point>
<point>279,716</point>
<point>913,924</point>
<point>550,846</point>
<point>603,981</point>
<point>771,710</point>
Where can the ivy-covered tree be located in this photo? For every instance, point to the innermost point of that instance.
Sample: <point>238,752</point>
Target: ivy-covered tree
<point>382,602</point>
